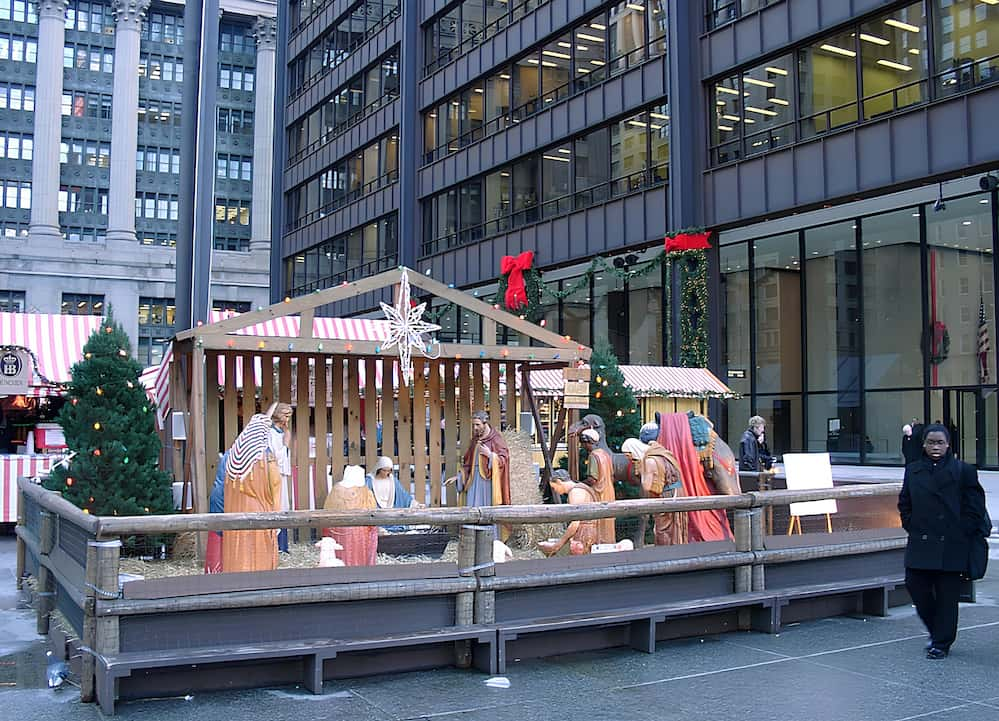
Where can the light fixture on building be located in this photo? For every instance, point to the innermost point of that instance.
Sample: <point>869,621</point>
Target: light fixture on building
<point>940,205</point>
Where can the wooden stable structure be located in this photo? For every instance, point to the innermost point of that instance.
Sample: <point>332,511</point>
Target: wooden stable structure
<point>330,400</point>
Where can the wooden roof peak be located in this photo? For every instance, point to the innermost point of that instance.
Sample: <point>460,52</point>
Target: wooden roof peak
<point>305,306</point>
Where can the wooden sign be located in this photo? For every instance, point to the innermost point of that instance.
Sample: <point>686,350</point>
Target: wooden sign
<point>576,389</point>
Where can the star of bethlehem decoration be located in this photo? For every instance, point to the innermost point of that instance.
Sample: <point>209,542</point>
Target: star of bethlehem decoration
<point>407,328</point>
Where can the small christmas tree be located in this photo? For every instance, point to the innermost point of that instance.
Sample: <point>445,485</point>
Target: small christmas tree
<point>611,399</point>
<point>108,421</point>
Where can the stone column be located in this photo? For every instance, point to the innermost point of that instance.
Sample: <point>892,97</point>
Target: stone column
<point>265,30</point>
<point>128,16</point>
<point>48,120</point>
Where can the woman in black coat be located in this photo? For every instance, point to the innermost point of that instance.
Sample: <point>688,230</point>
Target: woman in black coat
<point>942,506</point>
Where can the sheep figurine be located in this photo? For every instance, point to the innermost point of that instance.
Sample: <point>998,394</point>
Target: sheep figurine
<point>327,552</point>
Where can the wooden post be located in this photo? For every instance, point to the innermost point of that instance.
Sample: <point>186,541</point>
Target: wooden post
<point>436,415</point>
<point>300,452</point>
<point>353,392</point>
<point>512,419</point>
<point>230,402</point>
<point>452,453</point>
<point>743,542</point>
<point>485,601</point>
<point>46,584</point>
<point>464,603</point>
<point>320,488</point>
<point>371,415</point>
<point>199,433</point>
<point>337,453</point>
<point>421,436</point>
<point>756,536</point>
<point>100,635</point>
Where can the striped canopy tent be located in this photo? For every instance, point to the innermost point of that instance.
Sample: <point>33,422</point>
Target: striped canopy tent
<point>55,343</point>
<point>334,372</point>
<point>657,388</point>
<point>649,382</point>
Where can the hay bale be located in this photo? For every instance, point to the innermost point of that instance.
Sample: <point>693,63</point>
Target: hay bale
<point>524,491</point>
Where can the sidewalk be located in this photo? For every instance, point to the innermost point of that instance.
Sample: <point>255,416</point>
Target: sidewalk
<point>839,669</point>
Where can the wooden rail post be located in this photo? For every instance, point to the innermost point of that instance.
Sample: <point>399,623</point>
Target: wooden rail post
<point>46,584</point>
<point>21,549</point>
<point>464,602</point>
<point>757,519</point>
<point>485,601</point>
<point>743,543</point>
<point>100,635</point>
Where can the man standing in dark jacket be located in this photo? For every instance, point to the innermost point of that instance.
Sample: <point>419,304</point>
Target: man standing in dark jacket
<point>753,452</point>
<point>942,507</point>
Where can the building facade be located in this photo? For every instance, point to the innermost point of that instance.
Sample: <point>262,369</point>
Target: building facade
<point>91,110</point>
<point>840,151</point>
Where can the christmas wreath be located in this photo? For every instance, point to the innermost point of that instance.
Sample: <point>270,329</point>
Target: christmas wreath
<point>520,285</point>
<point>939,343</point>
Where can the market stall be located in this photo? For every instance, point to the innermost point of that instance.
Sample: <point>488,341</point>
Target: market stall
<point>37,353</point>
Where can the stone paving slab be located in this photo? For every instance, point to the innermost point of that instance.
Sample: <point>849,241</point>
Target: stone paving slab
<point>839,669</point>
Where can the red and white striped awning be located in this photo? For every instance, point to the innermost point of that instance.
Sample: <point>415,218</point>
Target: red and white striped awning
<point>12,468</point>
<point>55,340</point>
<point>156,379</point>
<point>648,381</point>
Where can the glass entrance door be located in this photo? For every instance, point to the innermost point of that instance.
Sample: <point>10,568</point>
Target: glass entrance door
<point>971,418</point>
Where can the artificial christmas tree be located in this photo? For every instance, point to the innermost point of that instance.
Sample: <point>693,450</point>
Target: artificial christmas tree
<point>108,421</point>
<point>611,399</point>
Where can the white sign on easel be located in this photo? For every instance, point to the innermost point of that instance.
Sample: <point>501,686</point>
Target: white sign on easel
<point>805,472</point>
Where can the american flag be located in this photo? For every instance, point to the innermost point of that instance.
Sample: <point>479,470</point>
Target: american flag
<point>984,346</point>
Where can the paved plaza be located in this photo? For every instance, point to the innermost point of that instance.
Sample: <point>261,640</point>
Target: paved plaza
<point>838,669</point>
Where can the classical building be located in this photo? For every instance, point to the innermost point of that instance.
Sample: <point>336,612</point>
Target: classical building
<point>90,109</point>
<point>840,150</point>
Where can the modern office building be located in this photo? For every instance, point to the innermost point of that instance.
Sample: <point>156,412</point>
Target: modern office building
<point>90,109</point>
<point>839,150</point>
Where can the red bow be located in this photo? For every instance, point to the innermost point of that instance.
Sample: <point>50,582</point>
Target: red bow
<point>516,291</point>
<point>688,241</point>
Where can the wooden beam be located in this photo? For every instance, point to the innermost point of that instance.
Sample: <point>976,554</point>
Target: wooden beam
<point>370,415</point>
<point>249,387</point>
<point>293,306</point>
<point>230,404</point>
<point>197,440</point>
<point>451,453</point>
<point>405,398</point>
<point>464,300</point>
<point>213,408</point>
<point>354,411</point>
<point>337,457</point>
<point>512,420</point>
<point>436,415</point>
<point>300,451</point>
<point>266,381</point>
<point>305,323</point>
<point>554,357</point>
<point>495,405</point>
<point>322,423</point>
<point>420,427</point>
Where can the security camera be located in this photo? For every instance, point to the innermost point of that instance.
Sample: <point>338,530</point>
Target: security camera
<point>988,183</point>
<point>939,206</point>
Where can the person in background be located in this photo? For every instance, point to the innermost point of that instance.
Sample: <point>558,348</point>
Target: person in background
<point>753,452</point>
<point>280,415</point>
<point>942,508</point>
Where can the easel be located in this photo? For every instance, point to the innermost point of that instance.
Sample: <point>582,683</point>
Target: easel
<point>794,526</point>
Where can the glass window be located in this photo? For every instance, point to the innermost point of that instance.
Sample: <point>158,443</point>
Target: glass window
<point>645,317</point>
<point>659,135</point>
<point>832,309</point>
<point>525,191</point>
<point>784,422</point>
<point>834,425</point>
<point>472,111</point>
<point>447,214</point>
<point>556,177</point>
<point>592,167</point>
<point>735,289</point>
<point>893,59</point>
<point>629,152</point>
<point>966,40</point>
<point>827,81</point>
<point>726,126</point>
<point>497,100</point>
<point>959,239</point>
<point>610,313</point>
<point>656,14</point>
<point>626,34</point>
<point>556,58</point>
<point>777,287</point>
<point>497,204</point>
<point>591,52</point>
<point>471,210</point>
<point>576,313</point>
<point>767,117</point>
<point>526,84</point>
<point>892,330</point>
<point>447,34</point>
